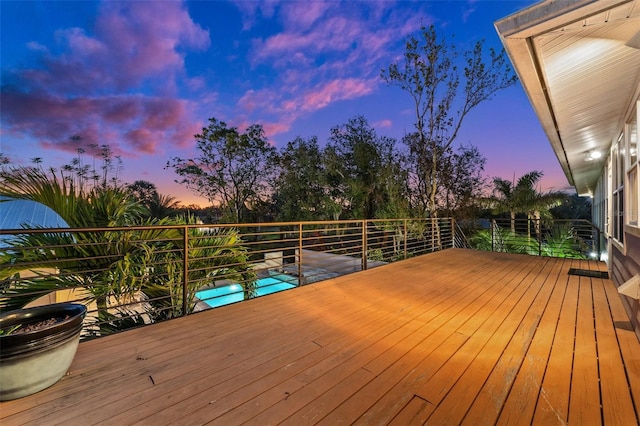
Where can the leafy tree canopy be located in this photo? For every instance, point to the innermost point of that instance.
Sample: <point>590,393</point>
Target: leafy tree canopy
<point>232,169</point>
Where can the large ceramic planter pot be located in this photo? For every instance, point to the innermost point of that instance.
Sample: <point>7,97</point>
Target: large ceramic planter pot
<point>38,356</point>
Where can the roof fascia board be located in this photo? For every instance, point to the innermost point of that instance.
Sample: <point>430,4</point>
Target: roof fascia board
<point>549,15</point>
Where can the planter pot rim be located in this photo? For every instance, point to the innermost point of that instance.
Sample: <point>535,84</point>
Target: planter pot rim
<point>56,334</point>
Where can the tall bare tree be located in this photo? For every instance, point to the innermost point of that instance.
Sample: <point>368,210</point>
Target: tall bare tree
<point>443,95</point>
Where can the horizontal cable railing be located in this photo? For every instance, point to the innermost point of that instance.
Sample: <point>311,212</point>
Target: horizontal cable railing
<point>575,238</point>
<point>133,276</point>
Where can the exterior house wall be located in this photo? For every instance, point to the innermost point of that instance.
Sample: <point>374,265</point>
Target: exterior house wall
<point>623,232</point>
<point>622,267</point>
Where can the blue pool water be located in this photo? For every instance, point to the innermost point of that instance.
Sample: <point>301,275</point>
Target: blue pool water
<point>221,296</point>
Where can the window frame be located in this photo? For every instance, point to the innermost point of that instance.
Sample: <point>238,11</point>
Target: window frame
<point>632,172</point>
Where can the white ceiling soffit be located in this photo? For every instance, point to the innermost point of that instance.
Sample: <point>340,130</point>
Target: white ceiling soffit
<point>579,62</point>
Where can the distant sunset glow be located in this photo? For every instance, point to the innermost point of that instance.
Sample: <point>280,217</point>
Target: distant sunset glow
<point>144,77</point>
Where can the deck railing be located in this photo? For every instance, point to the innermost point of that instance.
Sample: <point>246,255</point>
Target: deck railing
<point>575,238</point>
<point>133,276</point>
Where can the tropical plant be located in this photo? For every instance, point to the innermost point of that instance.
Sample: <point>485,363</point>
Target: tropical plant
<point>116,269</point>
<point>521,196</point>
<point>92,252</point>
<point>213,254</point>
<point>502,240</point>
<point>558,241</point>
<point>158,205</point>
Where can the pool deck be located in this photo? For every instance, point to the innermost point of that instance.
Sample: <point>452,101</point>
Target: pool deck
<point>453,337</point>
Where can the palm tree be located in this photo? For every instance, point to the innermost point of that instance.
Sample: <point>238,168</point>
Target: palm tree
<point>523,197</point>
<point>162,205</point>
<point>158,205</point>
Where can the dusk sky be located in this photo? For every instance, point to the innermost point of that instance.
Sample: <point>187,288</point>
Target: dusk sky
<point>145,76</point>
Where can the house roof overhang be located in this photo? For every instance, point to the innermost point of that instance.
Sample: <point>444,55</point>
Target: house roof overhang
<point>579,63</point>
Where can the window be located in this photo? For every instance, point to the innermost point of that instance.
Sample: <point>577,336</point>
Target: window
<point>633,184</point>
<point>617,186</point>
<point>633,196</point>
<point>600,200</point>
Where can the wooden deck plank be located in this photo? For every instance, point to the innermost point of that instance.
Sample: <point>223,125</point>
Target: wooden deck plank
<point>445,337</point>
<point>167,365</point>
<point>436,306</point>
<point>509,320</point>
<point>584,399</point>
<point>617,405</point>
<point>298,399</point>
<point>553,400</point>
<point>487,403</point>
<point>269,407</point>
<point>113,357</point>
<point>177,374</point>
<point>241,391</point>
<point>209,415</point>
<point>519,405</point>
<point>387,358</point>
<point>627,342</point>
<point>393,400</point>
<point>480,328</point>
<point>238,393</point>
<point>413,412</point>
<point>412,366</point>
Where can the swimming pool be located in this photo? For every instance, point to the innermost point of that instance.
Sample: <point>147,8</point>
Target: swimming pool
<point>221,296</point>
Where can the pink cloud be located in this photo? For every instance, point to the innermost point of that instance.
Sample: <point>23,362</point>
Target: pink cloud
<point>304,14</point>
<point>383,123</point>
<point>133,45</point>
<point>327,53</point>
<point>249,101</point>
<point>272,129</point>
<point>333,34</point>
<point>337,90</point>
<point>129,124</point>
<point>253,10</point>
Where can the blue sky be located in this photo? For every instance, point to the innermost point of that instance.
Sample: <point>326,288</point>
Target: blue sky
<point>145,76</point>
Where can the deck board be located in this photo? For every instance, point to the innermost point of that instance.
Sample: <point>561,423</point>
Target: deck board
<point>520,401</point>
<point>454,337</point>
<point>553,398</point>
<point>584,400</point>
<point>617,404</point>
<point>507,350</point>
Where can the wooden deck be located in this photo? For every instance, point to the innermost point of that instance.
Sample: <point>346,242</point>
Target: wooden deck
<point>455,337</point>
